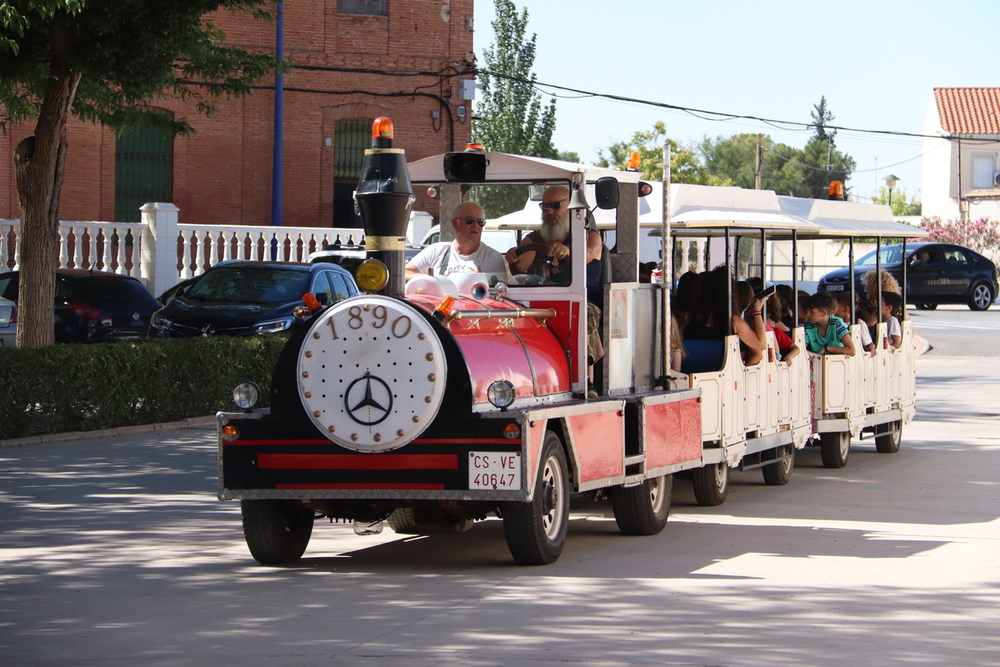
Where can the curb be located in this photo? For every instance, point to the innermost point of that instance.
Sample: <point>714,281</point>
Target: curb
<point>192,422</point>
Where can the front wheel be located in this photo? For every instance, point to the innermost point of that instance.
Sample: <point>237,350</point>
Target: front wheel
<point>926,306</point>
<point>277,531</point>
<point>835,448</point>
<point>981,297</point>
<point>643,509</point>
<point>711,484</point>
<point>536,531</point>
<point>777,474</point>
<point>888,441</point>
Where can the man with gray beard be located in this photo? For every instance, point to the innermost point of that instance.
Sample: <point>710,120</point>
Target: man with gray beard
<point>555,234</point>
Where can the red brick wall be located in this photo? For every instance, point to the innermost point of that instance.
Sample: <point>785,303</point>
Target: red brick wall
<point>222,172</point>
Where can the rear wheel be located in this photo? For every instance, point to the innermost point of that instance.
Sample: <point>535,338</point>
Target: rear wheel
<point>643,509</point>
<point>926,306</point>
<point>711,484</point>
<point>417,521</point>
<point>981,297</point>
<point>835,448</point>
<point>888,441</point>
<point>277,531</point>
<point>778,474</point>
<point>536,531</point>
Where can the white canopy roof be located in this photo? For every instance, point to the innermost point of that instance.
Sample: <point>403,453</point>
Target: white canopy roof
<point>848,218</point>
<point>505,167</point>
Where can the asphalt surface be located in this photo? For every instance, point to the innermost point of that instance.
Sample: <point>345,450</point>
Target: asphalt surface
<point>114,551</point>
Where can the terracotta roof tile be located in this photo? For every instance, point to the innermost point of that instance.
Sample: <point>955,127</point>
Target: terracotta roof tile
<point>969,110</point>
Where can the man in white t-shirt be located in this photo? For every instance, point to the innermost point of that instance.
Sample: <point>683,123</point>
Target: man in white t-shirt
<point>466,254</point>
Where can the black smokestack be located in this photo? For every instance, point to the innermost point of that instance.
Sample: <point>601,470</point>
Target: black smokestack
<point>385,197</point>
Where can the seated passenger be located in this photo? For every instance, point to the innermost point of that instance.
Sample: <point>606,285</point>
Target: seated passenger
<point>892,305</point>
<point>843,311</point>
<point>687,299</point>
<point>776,311</point>
<point>825,332</point>
<point>676,346</point>
<point>867,320</point>
<point>749,326</point>
<point>466,254</point>
<point>889,284</point>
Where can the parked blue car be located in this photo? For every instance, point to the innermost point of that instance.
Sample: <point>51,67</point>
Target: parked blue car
<point>242,298</point>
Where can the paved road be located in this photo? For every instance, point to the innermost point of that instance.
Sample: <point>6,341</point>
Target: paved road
<point>115,552</point>
<point>959,332</point>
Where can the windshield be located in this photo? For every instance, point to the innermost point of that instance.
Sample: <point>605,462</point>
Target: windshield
<point>262,285</point>
<point>889,255</point>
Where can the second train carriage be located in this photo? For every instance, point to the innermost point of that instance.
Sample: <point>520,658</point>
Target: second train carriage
<point>438,405</point>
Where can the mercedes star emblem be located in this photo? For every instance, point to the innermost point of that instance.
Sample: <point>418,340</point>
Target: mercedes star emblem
<point>368,400</point>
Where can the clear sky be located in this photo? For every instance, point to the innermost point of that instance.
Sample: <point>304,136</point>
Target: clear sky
<point>876,61</point>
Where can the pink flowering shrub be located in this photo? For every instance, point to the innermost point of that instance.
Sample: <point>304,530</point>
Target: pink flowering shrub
<point>982,234</point>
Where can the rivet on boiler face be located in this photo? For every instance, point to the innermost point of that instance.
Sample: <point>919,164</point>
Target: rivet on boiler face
<point>416,419</point>
<point>308,394</point>
<point>308,353</point>
<point>432,377</point>
<point>354,437</point>
<point>367,308</point>
<point>317,413</point>
<point>400,433</point>
<point>332,429</point>
<point>378,438</point>
<point>427,399</point>
<point>316,335</point>
<point>305,374</point>
<point>421,336</point>
<point>430,356</point>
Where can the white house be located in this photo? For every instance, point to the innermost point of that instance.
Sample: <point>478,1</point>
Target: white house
<point>961,172</point>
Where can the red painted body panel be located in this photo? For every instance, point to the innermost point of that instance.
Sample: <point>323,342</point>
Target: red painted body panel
<point>492,351</point>
<point>673,433</point>
<point>358,461</point>
<point>599,444</point>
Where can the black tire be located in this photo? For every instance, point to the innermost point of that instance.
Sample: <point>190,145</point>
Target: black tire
<point>536,531</point>
<point>277,531</point>
<point>643,509</point>
<point>888,443</point>
<point>778,474</point>
<point>926,306</point>
<point>835,449</point>
<point>711,484</point>
<point>404,521</point>
<point>981,297</point>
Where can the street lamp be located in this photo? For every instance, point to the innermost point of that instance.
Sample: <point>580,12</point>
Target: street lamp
<point>890,183</point>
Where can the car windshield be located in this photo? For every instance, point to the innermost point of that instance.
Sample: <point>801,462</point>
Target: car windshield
<point>111,291</point>
<point>250,285</point>
<point>889,256</point>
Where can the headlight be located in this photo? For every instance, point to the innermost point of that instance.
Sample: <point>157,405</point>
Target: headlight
<point>272,326</point>
<point>501,394</point>
<point>246,395</point>
<point>158,321</point>
<point>372,275</point>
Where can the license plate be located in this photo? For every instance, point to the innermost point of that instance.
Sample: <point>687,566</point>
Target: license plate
<point>834,288</point>
<point>495,470</point>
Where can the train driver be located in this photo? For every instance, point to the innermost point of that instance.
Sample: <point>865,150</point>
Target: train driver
<point>466,254</point>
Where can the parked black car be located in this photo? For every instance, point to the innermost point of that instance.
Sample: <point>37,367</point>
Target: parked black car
<point>936,273</point>
<point>94,306</point>
<point>241,298</point>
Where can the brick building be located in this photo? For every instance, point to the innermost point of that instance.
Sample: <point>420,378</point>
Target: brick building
<point>223,172</point>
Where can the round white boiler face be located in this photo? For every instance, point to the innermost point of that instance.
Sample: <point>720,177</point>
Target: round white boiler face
<point>371,373</point>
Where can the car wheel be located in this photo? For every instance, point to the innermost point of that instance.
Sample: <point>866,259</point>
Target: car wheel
<point>981,297</point>
<point>777,474</point>
<point>277,531</point>
<point>926,306</point>
<point>536,531</point>
<point>711,484</point>
<point>888,437</point>
<point>835,449</point>
<point>643,509</point>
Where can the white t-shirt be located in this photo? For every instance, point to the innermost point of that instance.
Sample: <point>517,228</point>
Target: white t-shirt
<point>445,260</point>
<point>866,335</point>
<point>893,328</point>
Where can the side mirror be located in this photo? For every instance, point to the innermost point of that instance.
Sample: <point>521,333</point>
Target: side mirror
<point>606,192</point>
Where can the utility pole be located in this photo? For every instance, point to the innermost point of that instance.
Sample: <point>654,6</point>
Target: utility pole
<point>757,165</point>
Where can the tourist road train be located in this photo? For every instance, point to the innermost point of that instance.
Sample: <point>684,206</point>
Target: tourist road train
<point>438,403</point>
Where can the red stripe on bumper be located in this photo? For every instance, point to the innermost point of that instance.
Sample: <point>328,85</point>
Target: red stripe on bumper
<point>374,487</point>
<point>358,461</point>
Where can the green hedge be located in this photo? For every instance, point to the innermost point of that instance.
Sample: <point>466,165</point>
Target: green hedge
<point>86,387</point>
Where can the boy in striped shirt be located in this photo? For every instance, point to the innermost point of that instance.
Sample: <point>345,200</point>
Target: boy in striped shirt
<point>825,332</point>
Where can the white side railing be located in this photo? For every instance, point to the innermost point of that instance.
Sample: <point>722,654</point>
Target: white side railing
<point>162,251</point>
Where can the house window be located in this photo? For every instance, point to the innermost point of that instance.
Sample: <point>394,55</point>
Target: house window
<point>144,169</point>
<point>352,137</point>
<point>983,167</point>
<point>372,7</point>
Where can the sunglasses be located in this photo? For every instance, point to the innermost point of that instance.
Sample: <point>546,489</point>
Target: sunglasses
<point>469,220</point>
<point>552,205</point>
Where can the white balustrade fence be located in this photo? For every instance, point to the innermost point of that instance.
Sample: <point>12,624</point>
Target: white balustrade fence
<point>161,251</point>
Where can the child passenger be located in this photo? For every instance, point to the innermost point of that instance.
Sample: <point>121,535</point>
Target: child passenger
<point>892,306</point>
<point>825,332</point>
<point>843,311</point>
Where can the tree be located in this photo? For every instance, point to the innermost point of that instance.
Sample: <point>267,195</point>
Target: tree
<point>101,61</point>
<point>821,117</point>
<point>900,206</point>
<point>684,164</point>
<point>821,161</point>
<point>732,161</point>
<point>511,118</point>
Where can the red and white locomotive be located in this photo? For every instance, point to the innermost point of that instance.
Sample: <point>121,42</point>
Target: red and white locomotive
<point>434,406</point>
